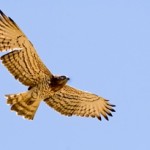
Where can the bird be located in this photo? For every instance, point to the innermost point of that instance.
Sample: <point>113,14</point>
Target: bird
<point>23,62</point>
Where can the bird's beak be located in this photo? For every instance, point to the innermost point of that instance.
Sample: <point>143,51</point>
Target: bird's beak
<point>68,78</point>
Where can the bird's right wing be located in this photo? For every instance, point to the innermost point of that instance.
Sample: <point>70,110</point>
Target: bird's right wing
<point>23,61</point>
<point>70,101</point>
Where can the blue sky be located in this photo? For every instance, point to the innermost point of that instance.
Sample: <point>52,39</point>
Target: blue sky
<point>104,47</point>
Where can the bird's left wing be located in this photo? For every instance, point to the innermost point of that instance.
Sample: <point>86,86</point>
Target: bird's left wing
<point>23,61</point>
<point>70,101</point>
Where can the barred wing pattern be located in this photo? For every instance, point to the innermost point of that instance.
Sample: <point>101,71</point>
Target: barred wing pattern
<point>23,61</point>
<point>70,101</point>
<point>26,66</point>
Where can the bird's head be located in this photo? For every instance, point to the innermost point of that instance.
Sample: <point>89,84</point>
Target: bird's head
<point>57,82</point>
<point>61,80</point>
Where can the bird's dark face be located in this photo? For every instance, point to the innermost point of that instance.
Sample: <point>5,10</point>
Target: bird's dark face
<point>57,82</point>
<point>60,80</point>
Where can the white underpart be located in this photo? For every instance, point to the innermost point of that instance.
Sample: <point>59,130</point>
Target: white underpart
<point>14,49</point>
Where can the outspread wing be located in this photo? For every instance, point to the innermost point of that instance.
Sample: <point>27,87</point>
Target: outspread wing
<point>23,61</point>
<point>70,101</point>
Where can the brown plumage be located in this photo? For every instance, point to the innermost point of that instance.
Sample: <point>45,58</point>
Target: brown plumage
<point>25,65</point>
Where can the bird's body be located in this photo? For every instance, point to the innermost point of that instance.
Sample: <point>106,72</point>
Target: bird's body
<point>25,65</point>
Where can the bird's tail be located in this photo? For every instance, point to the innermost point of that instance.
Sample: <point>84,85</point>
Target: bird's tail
<point>24,104</point>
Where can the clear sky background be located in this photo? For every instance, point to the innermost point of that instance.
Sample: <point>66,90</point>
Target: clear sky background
<point>104,47</point>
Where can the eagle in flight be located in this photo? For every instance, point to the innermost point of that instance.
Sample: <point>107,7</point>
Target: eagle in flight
<point>24,64</point>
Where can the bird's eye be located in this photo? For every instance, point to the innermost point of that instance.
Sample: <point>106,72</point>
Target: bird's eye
<point>62,77</point>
